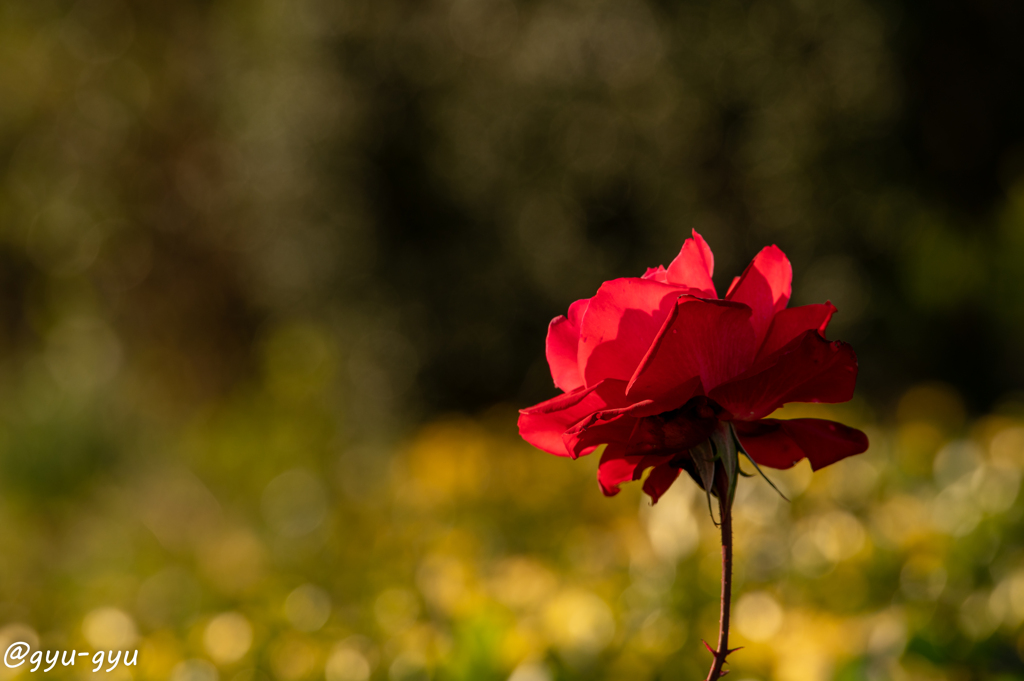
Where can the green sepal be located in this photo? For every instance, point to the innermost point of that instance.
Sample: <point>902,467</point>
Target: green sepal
<point>704,461</point>
<point>758,469</point>
<point>724,442</point>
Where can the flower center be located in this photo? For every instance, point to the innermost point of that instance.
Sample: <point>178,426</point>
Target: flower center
<point>687,426</point>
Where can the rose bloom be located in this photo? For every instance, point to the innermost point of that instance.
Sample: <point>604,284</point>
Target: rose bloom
<point>651,366</point>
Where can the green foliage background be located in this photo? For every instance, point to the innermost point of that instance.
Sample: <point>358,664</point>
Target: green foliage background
<point>274,279</point>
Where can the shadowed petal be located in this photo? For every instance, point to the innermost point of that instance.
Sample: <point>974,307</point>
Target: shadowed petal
<point>765,286</point>
<point>791,323</point>
<point>618,466</point>
<point>694,266</point>
<point>808,369</point>
<point>604,427</point>
<point>707,339</point>
<point>780,444</point>
<point>644,428</point>
<point>620,323</point>
<point>543,425</point>
<point>563,347</point>
<point>660,479</point>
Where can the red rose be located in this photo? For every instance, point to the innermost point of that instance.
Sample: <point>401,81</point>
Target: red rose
<point>651,366</point>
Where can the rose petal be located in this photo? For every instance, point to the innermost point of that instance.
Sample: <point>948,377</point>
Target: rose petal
<point>707,339</point>
<point>543,425</point>
<point>660,479</point>
<point>604,427</point>
<point>765,286</point>
<point>780,444</point>
<point>617,467</point>
<point>658,273</point>
<point>621,321</point>
<point>808,369</point>
<point>562,347</point>
<point>694,266</point>
<point>791,323</point>
<point>643,428</point>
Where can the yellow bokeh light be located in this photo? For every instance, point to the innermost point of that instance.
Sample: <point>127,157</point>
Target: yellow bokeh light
<point>109,628</point>
<point>227,637</point>
<point>578,622</point>
<point>347,663</point>
<point>758,616</point>
<point>308,607</point>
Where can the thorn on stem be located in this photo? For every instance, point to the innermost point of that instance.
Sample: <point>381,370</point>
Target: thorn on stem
<point>728,652</point>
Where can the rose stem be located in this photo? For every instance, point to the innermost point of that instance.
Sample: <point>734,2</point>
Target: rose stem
<point>725,511</point>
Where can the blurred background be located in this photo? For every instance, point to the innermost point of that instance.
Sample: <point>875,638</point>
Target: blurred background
<point>275,278</point>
